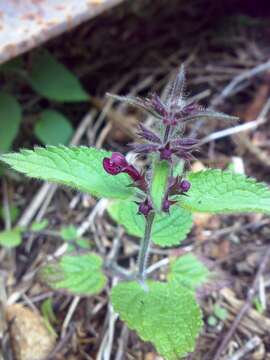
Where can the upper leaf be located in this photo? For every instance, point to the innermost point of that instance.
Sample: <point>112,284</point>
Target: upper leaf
<point>217,191</point>
<point>168,229</point>
<point>166,314</point>
<point>80,274</point>
<point>189,271</point>
<point>54,81</point>
<point>78,167</point>
<point>10,118</point>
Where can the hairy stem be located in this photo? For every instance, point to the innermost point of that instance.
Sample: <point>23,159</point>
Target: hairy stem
<point>145,247</point>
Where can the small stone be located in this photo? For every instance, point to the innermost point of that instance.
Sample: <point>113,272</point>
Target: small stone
<point>31,340</point>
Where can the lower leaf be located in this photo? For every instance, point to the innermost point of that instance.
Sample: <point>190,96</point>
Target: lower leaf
<point>79,274</point>
<point>189,271</point>
<point>166,314</point>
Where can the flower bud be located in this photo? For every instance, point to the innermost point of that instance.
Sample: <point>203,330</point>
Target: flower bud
<point>185,185</point>
<point>145,207</point>
<point>165,152</point>
<point>167,204</point>
<point>157,105</point>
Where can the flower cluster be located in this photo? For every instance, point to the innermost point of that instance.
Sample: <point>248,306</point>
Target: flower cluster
<point>172,113</point>
<point>176,186</point>
<point>118,164</point>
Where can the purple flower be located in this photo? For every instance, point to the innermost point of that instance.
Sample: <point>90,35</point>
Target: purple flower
<point>117,164</point>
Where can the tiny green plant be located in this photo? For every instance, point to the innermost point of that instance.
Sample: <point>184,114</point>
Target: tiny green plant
<point>155,204</point>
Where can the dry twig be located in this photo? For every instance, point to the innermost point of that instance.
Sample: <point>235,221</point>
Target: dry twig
<point>250,295</point>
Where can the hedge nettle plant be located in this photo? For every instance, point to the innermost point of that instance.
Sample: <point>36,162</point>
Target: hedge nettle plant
<point>155,204</point>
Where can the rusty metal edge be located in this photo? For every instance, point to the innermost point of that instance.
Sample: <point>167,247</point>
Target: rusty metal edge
<point>10,51</point>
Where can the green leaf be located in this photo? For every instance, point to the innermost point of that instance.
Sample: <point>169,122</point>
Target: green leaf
<point>217,191</point>
<point>54,81</point>
<point>47,310</point>
<point>39,225</point>
<point>49,315</point>
<point>79,167</point>
<point>13,65</point>
<point>220,312</point>
<point>259,306</point>
<point>161,171</point>
<point>77,274</point>
<point>168,229</point>
<point>68,232</point>
<point>10,118</point>
<point>53,128</point>
<point>10,238</point>
<point>166,314</point>
<point>188,271</point>
<point>212,321</point>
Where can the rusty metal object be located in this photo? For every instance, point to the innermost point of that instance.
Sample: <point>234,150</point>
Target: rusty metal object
<point>24,24</point>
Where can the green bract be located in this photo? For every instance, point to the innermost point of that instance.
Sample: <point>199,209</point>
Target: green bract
<point>217,191</point>
<point>168,229</point>
<point>161,172</point>
<point>79,275</point>
<point>78,167</point>
<point>165,314</point>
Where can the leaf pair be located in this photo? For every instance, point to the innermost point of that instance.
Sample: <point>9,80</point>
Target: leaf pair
<point>78,274</point>
<point>80,167</point>
<point>77,167</point>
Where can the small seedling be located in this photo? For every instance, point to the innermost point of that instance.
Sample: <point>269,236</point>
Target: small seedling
<point>156,204</point>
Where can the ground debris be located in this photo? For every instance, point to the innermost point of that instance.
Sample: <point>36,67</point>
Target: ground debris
<point>254,323</point>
